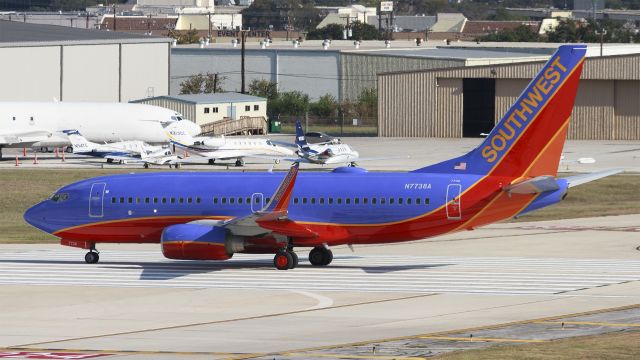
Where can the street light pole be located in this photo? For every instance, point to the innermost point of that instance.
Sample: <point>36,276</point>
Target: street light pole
<point>602,33</point>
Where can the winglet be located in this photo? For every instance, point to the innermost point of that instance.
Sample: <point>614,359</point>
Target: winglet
<point>280,200</point>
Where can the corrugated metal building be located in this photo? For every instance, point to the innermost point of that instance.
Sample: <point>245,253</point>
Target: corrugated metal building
<point>433,103</point>
<point>341,70</point>
<point>46,62</point>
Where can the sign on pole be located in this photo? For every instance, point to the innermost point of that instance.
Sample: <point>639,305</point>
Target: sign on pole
<point>386,6</point>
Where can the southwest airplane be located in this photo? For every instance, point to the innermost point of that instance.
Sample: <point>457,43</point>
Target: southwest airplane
<point>40,124</point>
<point>211,216</point>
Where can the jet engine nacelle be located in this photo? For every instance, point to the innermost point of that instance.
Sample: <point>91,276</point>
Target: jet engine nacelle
<point>199,242</point>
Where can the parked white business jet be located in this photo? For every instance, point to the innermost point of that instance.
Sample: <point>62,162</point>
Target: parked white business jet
<point>122,151</point>
<point>228,148</point>
<point>40,124</point>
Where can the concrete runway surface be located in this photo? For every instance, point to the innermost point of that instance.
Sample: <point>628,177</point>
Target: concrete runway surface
<point>135,304</point>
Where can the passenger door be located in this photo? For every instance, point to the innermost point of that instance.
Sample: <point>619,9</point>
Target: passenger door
<point>96,200</point>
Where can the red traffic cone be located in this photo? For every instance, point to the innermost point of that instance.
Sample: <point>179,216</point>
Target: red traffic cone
<point>17,161</point>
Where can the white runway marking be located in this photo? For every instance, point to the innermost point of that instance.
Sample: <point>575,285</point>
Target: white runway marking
<point>411,274</point>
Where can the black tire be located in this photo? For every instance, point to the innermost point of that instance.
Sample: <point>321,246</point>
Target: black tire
<point>91,257</point>
<point>212,161</point>
<point>328,257</point>
<point>294,263</point>
<point>239,163</point>
<point>316,256</point>
<point>109,161</point>
<point>146,165</point>
<point>282,260</point>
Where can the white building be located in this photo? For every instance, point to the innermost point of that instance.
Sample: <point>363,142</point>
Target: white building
<point>48,62</point>
<point>209,108</point>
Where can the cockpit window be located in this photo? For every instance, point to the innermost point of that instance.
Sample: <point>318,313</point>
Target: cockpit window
<point>59,197</point>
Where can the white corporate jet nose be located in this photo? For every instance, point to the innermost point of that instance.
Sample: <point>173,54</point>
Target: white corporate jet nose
<point>189,127</point>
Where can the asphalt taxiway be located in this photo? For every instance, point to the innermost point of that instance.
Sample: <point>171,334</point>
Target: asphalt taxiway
<point>136,305</point>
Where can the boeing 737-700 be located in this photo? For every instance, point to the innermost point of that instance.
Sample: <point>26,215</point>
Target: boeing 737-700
<point>212,216</point>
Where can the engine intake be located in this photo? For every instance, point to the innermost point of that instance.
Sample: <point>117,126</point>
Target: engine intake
<point>199,242</point>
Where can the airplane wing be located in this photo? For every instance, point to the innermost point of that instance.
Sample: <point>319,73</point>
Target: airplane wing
<point>273,217</point>
<point>585,178</point>
<point>123,158</point>
<point>24,136</point>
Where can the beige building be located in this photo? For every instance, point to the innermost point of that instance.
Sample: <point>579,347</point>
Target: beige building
<point>210,108</point>
<point>467,101</point>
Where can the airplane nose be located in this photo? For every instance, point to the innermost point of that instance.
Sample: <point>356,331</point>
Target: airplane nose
<point>36,217</point>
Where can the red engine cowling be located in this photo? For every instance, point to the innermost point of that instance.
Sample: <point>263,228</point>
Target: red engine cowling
<point>198,242</point>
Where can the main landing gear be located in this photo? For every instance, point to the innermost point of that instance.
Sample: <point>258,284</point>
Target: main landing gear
<point>92,257</point>
<point>320,256</point>
<point>285,259</point>
<point>239,162</point>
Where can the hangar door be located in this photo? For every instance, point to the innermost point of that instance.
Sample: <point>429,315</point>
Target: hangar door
<point>478,112</point>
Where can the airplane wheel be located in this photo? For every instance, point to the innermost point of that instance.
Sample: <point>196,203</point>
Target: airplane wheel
<point>109,161</point>
<point>277,161</point>
<point>353,164</point>
<point>212,161</point>
<point>92,257</point>
<point>239,162</point>
<point>320,256</point>
<point>283,260</point>
<point>294,256</point>
<point>146,166</point>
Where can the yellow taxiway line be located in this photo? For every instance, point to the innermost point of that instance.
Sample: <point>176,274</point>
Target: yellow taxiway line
<point>471,339</point>
<point>588,323</point>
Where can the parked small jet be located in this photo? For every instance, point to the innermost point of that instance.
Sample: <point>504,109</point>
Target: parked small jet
<point>211,216</point>
<point>122,151</point>
<point>40,124</point>
<point>229,148</point>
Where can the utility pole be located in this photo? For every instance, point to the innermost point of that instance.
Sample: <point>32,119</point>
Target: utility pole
<point>602,33</point>
<point>209,13</point>
<point>149,25</point>
<point>114,17</point>
<point>243,39</point>
<point>87,24</point>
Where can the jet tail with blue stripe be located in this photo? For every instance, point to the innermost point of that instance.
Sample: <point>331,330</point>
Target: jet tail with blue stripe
<point>528,140</point>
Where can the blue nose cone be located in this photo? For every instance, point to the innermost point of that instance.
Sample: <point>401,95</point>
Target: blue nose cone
<point>36,216</point>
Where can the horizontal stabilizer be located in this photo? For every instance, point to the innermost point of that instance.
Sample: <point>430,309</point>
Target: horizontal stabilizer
<point>585,178</point>
<point>535,185</point>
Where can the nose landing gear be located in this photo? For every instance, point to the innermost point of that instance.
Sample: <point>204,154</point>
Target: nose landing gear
<point>92,257</point>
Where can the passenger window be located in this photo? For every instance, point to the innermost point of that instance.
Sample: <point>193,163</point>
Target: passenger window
<point>189,200</point>
<point>321,201</point>
<point>356,201</point>
<point>247,200</point>
<point>164,200</point>
<point>121,200</point>
<point>391,201</point>
<point>330,201</point>
<point>304,200</point>
<point>267,200</point>
<point>147,200</point>
<point>232,200</point>
<point>113,200</point>
<point>400,201</point>
<point>426,201</point>
<point>130,200</point>
<point>173,200</point>
<point>382,201</point>
<point>239,200</point>
<point>347,201</point>
<point>224,200</point>
<point>181,200</point>
<point>137,200</point>
<point>313,200</point>
<point>374,201</point>
<point>296,200</point>
<point>339,201</point>
<point>365,201</point>
<point>417,201</point>
<point>215,200</point>
<point>155,200</point>
<point>197,200</point>
<point>408,201</point>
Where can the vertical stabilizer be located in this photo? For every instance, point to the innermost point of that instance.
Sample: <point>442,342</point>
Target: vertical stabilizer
<point>528,140</point>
